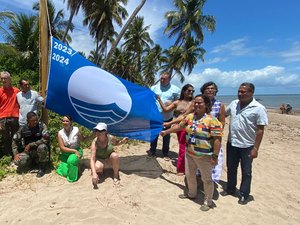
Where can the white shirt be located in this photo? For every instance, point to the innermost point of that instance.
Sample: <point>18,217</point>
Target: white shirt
<point>28,103</point>
<point>243,122</point>
<point>70,140</point>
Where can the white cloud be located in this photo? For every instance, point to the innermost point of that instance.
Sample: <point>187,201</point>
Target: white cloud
<point>235,47</point>
<point>216,60</point>
<point>268,76</point>
<point>291,55</point>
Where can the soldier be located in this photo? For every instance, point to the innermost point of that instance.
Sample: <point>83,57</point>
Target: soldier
<point>31,144</point>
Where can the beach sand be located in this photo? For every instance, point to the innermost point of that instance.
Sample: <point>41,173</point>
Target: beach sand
<point>149,189</point>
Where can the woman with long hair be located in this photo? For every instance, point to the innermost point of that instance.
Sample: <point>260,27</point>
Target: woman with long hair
<point>180,106</point>
<point>69,138</point>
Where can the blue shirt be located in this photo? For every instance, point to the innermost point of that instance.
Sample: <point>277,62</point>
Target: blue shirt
<point>167,94</point>
<point>243,122</point>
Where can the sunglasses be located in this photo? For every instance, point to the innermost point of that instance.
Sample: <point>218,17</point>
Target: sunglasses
<point>192,91</point>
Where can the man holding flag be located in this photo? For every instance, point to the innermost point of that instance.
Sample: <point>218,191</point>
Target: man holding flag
<point>168,93</point>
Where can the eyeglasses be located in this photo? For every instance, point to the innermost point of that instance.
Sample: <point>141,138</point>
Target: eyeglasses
<point>210,88</point>
<point>192,91</point>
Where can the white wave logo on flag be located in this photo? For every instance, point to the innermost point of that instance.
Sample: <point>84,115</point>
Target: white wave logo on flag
<point>97,100</point>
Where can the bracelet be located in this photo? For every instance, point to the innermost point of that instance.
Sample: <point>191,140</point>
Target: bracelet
<point>255,148</point>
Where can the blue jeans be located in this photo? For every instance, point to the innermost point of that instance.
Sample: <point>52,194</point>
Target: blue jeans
<point>166,143</point>
<point>234,156</point>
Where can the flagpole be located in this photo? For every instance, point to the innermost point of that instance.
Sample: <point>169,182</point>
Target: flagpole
<point>43,44</point>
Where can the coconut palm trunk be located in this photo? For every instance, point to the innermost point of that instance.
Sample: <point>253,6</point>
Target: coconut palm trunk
<point>129,21</point>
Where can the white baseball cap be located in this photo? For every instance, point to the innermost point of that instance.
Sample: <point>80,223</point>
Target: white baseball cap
<point>100,127</point>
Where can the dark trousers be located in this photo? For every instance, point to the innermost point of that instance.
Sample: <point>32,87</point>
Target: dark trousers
<point>166,143</point>
<point>8,127</point>
<point>234,156</point>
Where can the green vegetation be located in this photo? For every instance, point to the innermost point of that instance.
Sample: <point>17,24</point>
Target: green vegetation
<point>4,166</point>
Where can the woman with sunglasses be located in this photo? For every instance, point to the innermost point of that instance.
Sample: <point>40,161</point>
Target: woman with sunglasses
<point>180,106</point>
<point>102,152</point>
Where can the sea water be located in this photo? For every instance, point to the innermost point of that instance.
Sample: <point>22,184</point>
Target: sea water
<point>269,101</point>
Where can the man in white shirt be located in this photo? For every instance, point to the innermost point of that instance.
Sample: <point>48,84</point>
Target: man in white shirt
<point>28,101</point>
<point>247,121</point>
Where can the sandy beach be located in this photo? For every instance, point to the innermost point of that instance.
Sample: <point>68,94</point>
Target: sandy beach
<point>149,189</point>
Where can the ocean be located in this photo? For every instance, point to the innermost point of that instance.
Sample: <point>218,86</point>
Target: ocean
<point>269,101</point>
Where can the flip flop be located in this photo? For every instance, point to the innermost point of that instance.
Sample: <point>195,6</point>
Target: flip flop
<point>116,181</point>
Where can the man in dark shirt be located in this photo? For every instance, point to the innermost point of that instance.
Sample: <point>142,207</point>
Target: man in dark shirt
<point>31,144</point>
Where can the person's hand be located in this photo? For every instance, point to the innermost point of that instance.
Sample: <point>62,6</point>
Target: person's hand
<point>214,161</point>
<point>253,153</point>
<point>78,154</point>
<point>95,179</point>
<point>124,140</point>
<point>167,124</point>
<point>163,133</point>
<point>17,157</point>
<point>27,148</point>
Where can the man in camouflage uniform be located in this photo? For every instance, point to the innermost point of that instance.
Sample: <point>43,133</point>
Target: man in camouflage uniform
<point>31,144</point>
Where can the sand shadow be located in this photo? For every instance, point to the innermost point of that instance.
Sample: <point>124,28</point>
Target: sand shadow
<point>141,165</point>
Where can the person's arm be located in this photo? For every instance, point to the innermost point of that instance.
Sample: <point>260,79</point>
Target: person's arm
<point>173,129</point>
<point>178,119</point>
<point>64,148</point>
<point>92,163</point>
<point>45,139</point>
<point>258,139</point>
<point>16,145</point>
<point>216,148</point>
<point>114,141</point>
<point>168,108</point>
<point>222,114</point>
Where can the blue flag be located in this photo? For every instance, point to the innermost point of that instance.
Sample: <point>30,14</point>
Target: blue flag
<point>90,95</point>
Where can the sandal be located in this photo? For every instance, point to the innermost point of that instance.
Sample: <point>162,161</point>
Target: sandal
<point>116,181</point>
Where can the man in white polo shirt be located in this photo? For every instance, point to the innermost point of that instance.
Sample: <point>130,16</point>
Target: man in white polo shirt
<point>247,121</point>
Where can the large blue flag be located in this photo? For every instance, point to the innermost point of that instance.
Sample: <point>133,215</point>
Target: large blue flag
<point>78,88</point>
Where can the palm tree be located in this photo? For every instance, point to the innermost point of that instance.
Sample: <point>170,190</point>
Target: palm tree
<point>100,16</point>
<point>57,22</point>
<point>191,53</point>
<point>151,64</point>
<point>122,32</point>
<point>73,6</point>
<point>23,33</point>
<point>137,39</point>
<point>3,16</point>
<point>172,61</point>
<point>188,21</point>
<point>23,36</point>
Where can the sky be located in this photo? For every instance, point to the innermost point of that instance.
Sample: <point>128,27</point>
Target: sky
<point>255,41</point>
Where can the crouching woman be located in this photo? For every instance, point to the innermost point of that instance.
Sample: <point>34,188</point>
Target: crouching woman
<point>102,151</point>
<point>69,143</point>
